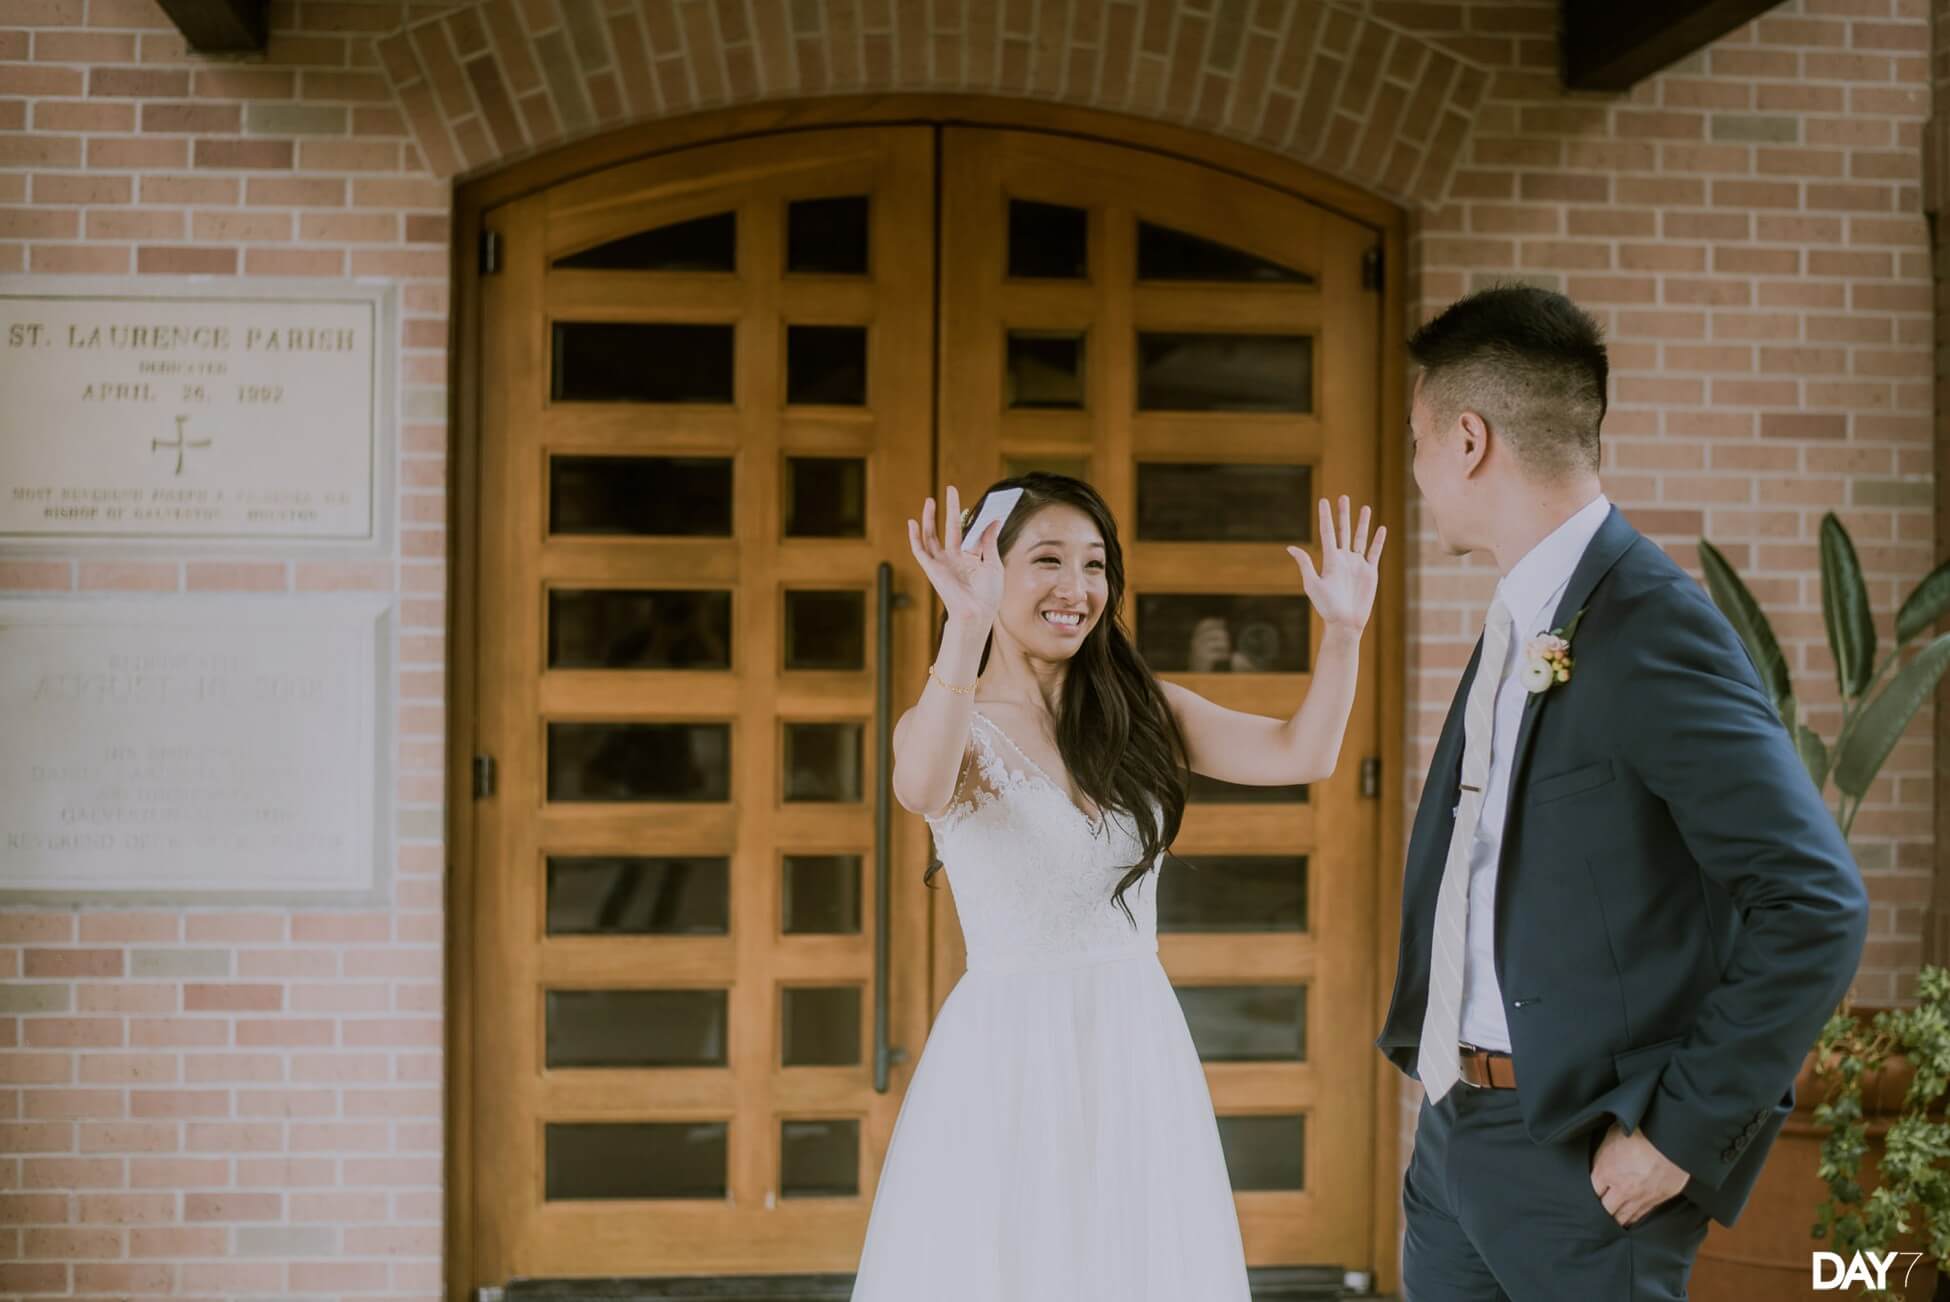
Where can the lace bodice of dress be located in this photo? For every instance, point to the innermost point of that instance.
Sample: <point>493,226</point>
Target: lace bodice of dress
<point>1031,874</point>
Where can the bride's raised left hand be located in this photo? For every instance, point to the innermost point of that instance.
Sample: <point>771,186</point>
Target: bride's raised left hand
<point>1343,588</point>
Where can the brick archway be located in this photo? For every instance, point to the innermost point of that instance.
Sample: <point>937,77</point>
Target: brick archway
<point>1317,81</point>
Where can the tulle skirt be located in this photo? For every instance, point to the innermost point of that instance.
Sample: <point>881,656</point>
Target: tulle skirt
<point>1057,1144</point>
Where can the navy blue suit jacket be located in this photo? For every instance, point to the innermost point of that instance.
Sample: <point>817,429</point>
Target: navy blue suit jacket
<point>1676,912</point>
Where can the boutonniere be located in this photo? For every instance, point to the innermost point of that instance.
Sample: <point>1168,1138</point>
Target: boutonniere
<point>1547,658</point>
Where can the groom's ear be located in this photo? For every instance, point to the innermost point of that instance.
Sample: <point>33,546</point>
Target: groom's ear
<point>1474,440</point>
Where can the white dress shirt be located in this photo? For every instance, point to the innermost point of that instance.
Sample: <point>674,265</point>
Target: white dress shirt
<point>1530,592</point>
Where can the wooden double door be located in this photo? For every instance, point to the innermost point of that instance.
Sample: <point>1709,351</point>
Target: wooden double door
<point>714,384</point>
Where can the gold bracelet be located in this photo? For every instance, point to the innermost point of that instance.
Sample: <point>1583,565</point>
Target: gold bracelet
<point>958,691</point>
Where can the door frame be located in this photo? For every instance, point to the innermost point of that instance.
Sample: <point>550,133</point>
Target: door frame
<point>473,199</point>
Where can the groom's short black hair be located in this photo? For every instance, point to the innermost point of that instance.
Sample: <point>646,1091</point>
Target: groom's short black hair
<point>1530,362</point>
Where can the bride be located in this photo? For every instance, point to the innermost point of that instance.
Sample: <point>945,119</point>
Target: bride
<point>1057,1142</point>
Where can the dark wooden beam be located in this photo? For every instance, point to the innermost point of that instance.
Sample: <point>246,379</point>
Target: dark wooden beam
<point>219,26</point>
<point>1615,44</point>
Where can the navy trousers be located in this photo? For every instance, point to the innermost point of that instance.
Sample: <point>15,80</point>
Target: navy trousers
<point>1494,1216</point>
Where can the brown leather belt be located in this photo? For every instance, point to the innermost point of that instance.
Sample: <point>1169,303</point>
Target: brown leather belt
<point>1487,1068</point>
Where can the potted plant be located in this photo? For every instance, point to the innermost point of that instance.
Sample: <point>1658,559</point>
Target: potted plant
<point>1850,1061</point>
<point>1822,1150</point>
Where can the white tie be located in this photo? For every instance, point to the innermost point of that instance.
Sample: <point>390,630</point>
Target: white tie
<point>1437,1063</point>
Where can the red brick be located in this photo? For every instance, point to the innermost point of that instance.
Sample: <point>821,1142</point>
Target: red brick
<point>233,1207</point>
<point>286,1033</point>
<point>125,998</point>
<point>179,1103</point>
<point>138,83</point>
<point>294,262</point>
<point>190,189</point>
<point>349,156</point>
<point>229,1278</point>
<point>127,1209</point>
<point>80,115</point>
<point>336,228</point>
<point>57,187</point>
<point>287,1102</point>
<point>191,118</point>
<point>74,963</point>
<point>181,1173</point>
<point>125,13</point>
<point>294,1172</point>
<point>36,1137</point>
<point>378,122</point>
<point>1636,124</point>
<point>84,47</point>
<point>1685,523</point>
<point>324,87</point>
<point>338,1277</point>
<point>141,153</point>
<point>242,1137</point>
<point>390,192</point>
<point>39,223</point>
<point>74,1032</point>
<point>136,224</point>
<point>31,150</point>
<point>123,1137</point>
<point>129,1068</point>
<point>33,1277</point>
<point>1803,425</point>
<point>245,83</point>
<point>240,226</point>
<point>145,926</point>
<point>295,191</point>
<point>178,1032</point>
<point>232,998</point>
<point>139,1277</point>
<point>183,260</point>
<point>71,1244</point>
<point>244,153</point>
<point>305,51</point>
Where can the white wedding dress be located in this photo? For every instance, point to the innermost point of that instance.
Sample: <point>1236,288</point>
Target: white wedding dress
<point>1057,1143</point>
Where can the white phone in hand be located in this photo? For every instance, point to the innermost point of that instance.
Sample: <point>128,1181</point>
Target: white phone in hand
<point>994,507</point>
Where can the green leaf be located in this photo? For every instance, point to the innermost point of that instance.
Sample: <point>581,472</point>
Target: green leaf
<point>1744,613</point>
<point>1814,753</point>
<point>1883,721</point>
<point>1925,605</point>
<point>1845,607</point>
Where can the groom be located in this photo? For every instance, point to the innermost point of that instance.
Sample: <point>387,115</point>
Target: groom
<point>1626,913</point>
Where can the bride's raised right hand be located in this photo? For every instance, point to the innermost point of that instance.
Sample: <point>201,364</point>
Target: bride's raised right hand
<point>970,582</point>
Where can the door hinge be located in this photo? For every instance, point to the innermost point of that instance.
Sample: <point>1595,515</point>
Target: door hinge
<point>1371,778</point>
<point>490,252</point>
<point>1373,269</point>
<point>483,776</point>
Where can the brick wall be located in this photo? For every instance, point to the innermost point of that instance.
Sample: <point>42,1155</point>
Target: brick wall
<point>221,1102</point>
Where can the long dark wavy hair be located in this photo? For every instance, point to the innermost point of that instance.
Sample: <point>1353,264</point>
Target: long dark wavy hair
<point>1114,728</point>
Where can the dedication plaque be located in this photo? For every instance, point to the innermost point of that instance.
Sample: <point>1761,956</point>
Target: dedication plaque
<point>190,414</point>
<point>200,748</point>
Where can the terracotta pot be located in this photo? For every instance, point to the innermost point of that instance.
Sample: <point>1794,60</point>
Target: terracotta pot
<point>1769,1253</point>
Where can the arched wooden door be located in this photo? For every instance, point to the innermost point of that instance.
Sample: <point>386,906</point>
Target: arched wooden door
<point>714,384</point>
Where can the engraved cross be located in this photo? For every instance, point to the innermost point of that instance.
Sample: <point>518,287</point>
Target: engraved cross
<point>179,444</point>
